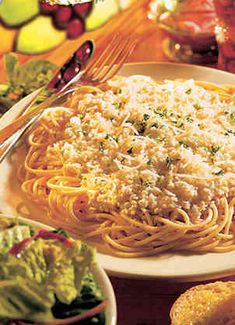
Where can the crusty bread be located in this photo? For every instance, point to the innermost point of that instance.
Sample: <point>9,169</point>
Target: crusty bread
<point>209,304</point>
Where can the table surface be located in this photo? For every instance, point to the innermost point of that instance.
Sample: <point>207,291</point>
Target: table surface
<point>139,302</point>
<point>148,302</point>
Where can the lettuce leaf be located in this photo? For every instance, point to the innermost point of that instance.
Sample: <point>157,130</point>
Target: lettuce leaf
<point>11,236</point>
<point>67,269</point>
<point>44,274</point>
<point>10,62</point>
<point>90,297</point>
<point>23,79</point>
<point>25,299</point>
<point>32,75</point>
<point>50,263</point>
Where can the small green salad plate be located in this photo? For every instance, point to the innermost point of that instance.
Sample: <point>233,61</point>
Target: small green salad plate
<point>48,278</point>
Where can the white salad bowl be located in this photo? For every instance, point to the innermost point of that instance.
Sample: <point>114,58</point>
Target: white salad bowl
<point>99,274</point>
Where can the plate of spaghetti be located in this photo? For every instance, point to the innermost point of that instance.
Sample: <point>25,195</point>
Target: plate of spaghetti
<point>143,167</point>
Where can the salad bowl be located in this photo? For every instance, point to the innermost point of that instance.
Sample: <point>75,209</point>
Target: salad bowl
<point>21,235</point>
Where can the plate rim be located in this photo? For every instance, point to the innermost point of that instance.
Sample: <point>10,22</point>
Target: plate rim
<point>184,278</point>
<point>186,65</point>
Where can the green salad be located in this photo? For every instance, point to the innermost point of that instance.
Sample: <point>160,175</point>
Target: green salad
<point>23,79</point>
<point>46,278</point>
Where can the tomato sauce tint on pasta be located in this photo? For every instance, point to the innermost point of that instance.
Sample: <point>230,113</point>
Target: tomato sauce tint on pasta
<point>141,166</point>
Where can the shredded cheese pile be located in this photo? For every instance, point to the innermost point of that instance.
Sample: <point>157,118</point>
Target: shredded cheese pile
<point>145,148</point>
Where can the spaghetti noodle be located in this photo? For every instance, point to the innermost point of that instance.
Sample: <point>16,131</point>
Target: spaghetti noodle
<point>140,166</point>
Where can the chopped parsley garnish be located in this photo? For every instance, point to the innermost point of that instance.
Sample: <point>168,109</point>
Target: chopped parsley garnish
<point>189,118</point>
<point>130,151</point>
<point>145,183</point>
<point>229,132</point>
<point>188,92</point>
<point>183,144</point>
<point>162,114</point>
<point>178,123</point>
<point>108,136</point>
<point>166,90</point>
<point>214,150</point>
<point>197,107</point>
<point>141,127</point>
<point>101,147</point>
<point>232,117</point>
<point>226,112</point>
<point>169,161</point>
<point>149,162</point>
<point>117,105</point>
<point>158,139</point>
<point>146,117</point>
<point>165,111</point>
<point>219,173</point>
<point>157,126</point>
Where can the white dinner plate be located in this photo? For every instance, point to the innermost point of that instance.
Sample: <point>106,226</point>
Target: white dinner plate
<point>99,274</point>
<point>169,266</point>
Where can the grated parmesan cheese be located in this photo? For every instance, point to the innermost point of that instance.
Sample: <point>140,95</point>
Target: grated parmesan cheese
<point>149,148</point>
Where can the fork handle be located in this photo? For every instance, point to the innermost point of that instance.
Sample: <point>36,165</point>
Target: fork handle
<point>7,145</point>
<point>23,120</point>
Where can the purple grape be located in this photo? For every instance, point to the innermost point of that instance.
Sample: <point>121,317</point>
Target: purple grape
<point>62,16</point>
<point>48,9</point>
<point>75,28</point>
<point>82,9</point>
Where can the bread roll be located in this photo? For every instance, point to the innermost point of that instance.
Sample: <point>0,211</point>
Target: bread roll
<point>209,304</point>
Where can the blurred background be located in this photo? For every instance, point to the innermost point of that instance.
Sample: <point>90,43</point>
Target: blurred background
<point>33,28</point>
<point>188,31</point>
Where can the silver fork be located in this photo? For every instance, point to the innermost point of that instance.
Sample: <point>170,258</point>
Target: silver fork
<point>97,71</point>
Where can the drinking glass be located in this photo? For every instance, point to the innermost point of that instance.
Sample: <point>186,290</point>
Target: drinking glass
<point>225,33</point>
<point>189,28</point>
